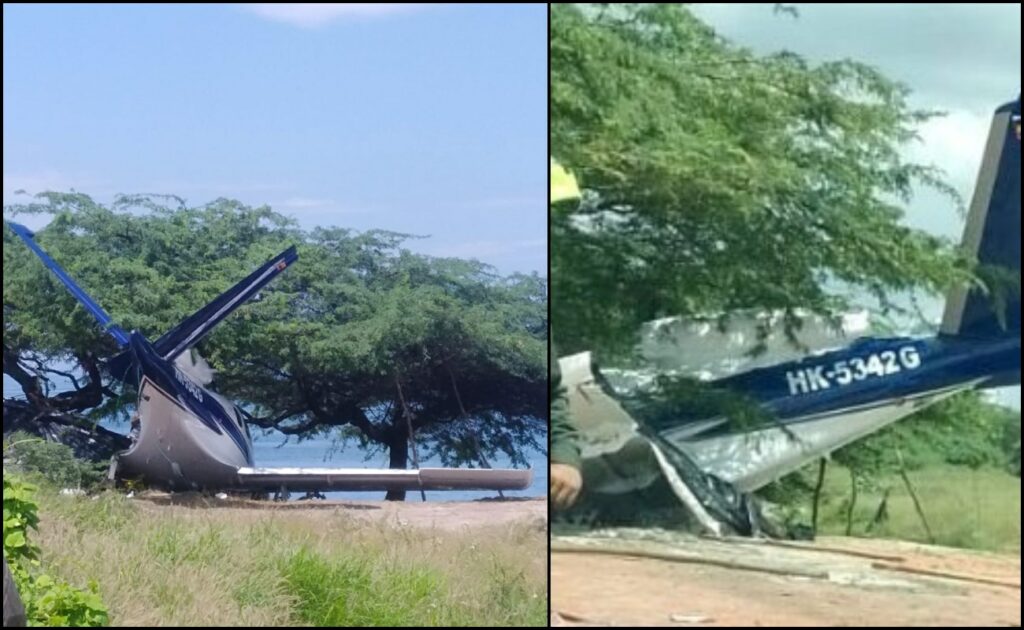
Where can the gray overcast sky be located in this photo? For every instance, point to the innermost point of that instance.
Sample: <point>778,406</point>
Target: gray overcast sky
<point>963,59</point>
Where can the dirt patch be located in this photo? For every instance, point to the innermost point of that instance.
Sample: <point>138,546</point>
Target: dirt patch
<point>446,515</point>
<point>693,583</point>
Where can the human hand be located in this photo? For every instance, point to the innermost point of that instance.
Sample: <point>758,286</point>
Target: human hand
<point>566,482</point>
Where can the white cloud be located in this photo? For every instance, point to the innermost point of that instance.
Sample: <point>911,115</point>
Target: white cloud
<point>314,15</point>
<point>483,250</point>
<point>1010,397</point>
<point>19,187</point>
<point>953,55</point>
<point>954,143</point>
<point>314,211</point>
<point>210,189</point>
<point>304,203</point>
<point>504,203</point>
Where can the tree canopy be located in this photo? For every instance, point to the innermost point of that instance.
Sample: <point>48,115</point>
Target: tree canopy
<point>718,179</point>
<point>334,345</point>
<point>962,430</point>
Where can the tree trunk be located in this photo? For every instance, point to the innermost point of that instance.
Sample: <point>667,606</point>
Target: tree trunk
<point>913,495</point>
<point>399,452</point>
<point>817,495</point>
<point>853,503</point>
<point>882,513</point>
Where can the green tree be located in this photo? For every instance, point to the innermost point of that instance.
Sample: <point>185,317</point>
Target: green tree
<point>962,430</point>
<point>717,179</point>
<point>333,346</point>
<point>1011,442</point>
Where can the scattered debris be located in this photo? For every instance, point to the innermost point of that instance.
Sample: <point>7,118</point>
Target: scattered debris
<point>689,618</point>
<point>865,579</point>
<point>948,575</point>
<point>565,619</point>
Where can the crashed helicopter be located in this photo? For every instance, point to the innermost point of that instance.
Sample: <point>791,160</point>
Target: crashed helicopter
<point>190,437</point>
<point>820,398</point>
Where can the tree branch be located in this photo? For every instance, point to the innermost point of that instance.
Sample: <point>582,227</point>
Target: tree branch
<point>268,422</point>
<point>352,414</point>
<point>87,397</point>
<point>29,384</point>
<point>267,366</point>
<point>357,418</point>
<point>67,375</point>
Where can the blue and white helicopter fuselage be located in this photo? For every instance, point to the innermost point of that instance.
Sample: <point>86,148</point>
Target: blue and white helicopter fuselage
<point>828,400</point>
<point>187,427</point>
<point>824,399</point>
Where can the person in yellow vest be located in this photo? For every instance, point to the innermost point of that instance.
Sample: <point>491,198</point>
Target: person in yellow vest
<point>566,480</point>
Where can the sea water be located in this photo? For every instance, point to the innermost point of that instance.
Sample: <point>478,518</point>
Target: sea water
<point>274,449</point>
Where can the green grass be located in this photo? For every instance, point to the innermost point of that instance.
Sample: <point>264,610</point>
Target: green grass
<point>975,509</point>
<point>353,590</point>
<point>178,565</point>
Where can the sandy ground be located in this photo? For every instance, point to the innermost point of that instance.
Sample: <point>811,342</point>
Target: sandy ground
<point>833,582</point>
<point>448,515</point>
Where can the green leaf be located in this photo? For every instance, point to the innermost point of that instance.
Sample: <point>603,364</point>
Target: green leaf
<point>14,539</point>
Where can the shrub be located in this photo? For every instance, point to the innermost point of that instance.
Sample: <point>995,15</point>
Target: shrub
<point>55,462</point>
<point>48,601</point>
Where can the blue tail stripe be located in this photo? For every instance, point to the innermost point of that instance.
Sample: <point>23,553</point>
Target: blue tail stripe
<point>993,235</point>
<point>95,309</point>
<point>191,330</point>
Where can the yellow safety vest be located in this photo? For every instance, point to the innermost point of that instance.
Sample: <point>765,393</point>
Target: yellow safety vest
<point>563,184</point>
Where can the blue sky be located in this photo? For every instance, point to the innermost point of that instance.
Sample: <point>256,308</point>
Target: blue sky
<point>423,119</point>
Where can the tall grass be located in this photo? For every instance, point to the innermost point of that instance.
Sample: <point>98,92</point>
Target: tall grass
<point>176,565</point>
<point>975,509</point>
